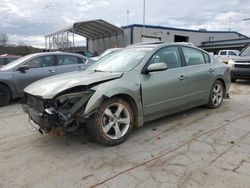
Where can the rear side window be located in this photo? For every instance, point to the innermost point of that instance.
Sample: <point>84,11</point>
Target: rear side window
<point>66,60</point>
<point>169,55</point>
<point>43,61</point>
<point>193,56</point>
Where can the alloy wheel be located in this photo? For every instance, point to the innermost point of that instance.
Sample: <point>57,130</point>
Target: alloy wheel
<point>115,120</point>
<point>217,94</point>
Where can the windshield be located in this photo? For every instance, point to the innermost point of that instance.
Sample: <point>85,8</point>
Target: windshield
<point>121,61</point>
<point>109,51</point>
<point>246,52</point>
<point>15,63</point>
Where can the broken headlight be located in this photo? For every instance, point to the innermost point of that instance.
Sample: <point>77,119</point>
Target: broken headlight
<point>72,102</point>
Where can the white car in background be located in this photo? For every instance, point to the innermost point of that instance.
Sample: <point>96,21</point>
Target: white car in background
<point>225,55</point>
<point>107,52</point>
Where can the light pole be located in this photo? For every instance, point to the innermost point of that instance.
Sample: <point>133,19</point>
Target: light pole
<point>128,17</point>
<point>143,29</point>
<point>229,24</point>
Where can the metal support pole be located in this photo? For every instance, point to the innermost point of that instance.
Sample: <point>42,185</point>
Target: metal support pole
<point>116,41</point>
<point>49,43</point>
<point>98,46</point>
<point>104,44</point>
<point>45,43</point>
<point>110,42</point>
<point>144,15</point>
<point>73,40</point>
<point>53,42</point>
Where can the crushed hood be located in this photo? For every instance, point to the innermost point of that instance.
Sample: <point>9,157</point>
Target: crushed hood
<point>47,88</point>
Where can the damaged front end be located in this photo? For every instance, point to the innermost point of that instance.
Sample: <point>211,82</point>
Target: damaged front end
<point>62,114</point>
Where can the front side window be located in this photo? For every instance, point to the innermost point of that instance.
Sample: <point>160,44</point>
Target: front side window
<point>39,62</point>
<point>66,60</point>
<point>169,55</point>
<point>193,56</point>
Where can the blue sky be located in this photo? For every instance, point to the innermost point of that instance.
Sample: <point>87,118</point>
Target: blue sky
<point>28,21</point>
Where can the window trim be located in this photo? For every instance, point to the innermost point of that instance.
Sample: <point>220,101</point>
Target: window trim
<point>184,59</point>
<point>78,60</point>
<point>53,59</point>
<point>143,71</point>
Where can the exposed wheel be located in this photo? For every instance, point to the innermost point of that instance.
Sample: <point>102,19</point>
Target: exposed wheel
<point>112,123</point>
<point>4,95</point>
<point>216,95</point>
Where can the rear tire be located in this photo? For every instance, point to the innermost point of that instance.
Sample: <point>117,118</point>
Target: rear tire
<point>233,80</point>
<point>4,95</point>
<point>112,122</point>
<point>216,95</point>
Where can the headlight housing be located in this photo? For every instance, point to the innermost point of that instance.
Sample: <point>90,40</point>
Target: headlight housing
<point>72,102</point>
<point>231,63</point>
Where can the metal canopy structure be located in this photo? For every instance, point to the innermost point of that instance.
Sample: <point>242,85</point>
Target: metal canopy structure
<point>92,30</point>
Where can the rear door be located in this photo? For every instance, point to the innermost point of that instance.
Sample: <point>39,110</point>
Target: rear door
<point>199,73</point>
<point>164,90</point>
<point>38,68</point>
<point>68,63</point>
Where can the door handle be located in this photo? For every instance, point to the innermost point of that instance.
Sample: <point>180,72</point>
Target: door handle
<point>211,70</point>
<point>51,71</point>
<point>81,67</point>
<point>182,77</point>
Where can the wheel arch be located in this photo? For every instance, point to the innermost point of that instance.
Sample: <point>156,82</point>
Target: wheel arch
<point>224,85</point>
<point>8,87</point>
<point>132,102</point>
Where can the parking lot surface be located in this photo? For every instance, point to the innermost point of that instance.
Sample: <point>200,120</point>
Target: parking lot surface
<point>195,148</point>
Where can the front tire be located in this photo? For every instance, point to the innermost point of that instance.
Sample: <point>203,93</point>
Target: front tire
<point>216,95</point>
<point>4,95</point>
<point>112,123</point>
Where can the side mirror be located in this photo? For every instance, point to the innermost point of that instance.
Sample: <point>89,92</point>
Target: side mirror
<point>156,67</point>
<point>23,68</point>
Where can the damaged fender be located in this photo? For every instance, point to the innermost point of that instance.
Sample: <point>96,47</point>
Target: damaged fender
<point>102,91</point>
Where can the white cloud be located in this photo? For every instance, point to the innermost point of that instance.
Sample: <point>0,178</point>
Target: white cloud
<point>30,20</point>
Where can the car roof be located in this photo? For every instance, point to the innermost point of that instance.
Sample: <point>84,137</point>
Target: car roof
<point>9,56</point>
<point>57,53</point>
<point>162,44</point>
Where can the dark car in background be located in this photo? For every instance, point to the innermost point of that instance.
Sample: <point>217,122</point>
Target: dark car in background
<point>15,76</point>
<point>85,53</point>
<point>240,65</point>
<point>5,59</point>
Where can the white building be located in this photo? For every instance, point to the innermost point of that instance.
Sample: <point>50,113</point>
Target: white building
<point>102,35</point>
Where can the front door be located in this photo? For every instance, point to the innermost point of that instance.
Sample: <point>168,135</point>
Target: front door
<point>164,91</point>
<point>38,68</point>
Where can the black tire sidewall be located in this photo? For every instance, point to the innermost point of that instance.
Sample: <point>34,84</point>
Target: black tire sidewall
<point>5,91</point>
<point>95,126</point>
<point>210,103</point>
